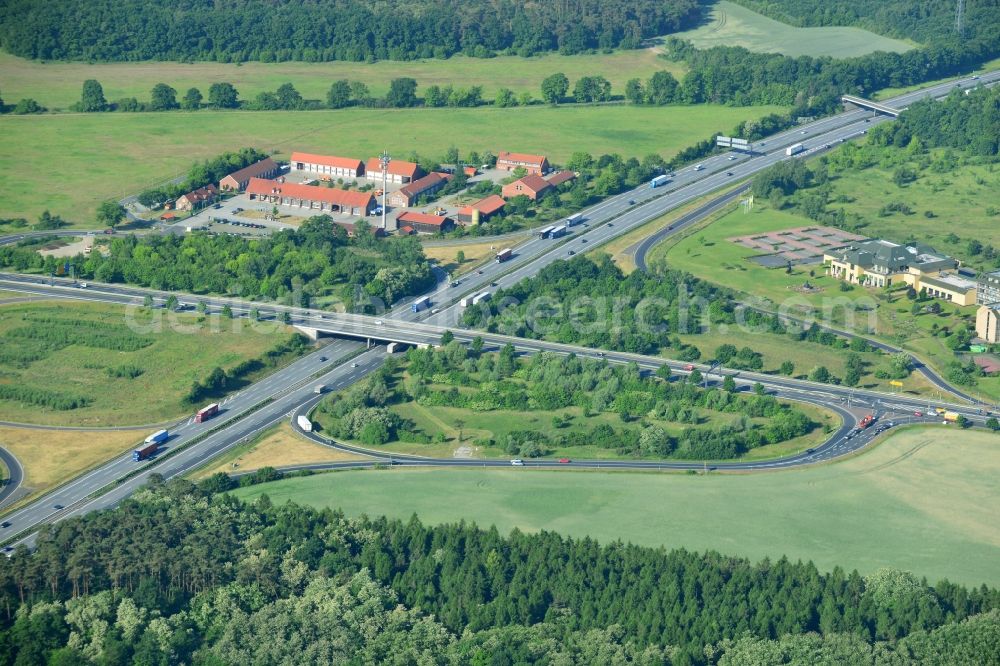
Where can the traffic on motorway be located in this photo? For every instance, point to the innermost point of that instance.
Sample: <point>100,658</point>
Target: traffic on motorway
<point>607,220</point>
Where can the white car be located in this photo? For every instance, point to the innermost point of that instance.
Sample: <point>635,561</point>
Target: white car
<point>378,322</point>
<point>83,285</point>
<point>699,167</point>
<point>517,462</point>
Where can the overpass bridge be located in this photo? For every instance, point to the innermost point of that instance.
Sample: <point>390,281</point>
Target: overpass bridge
<point>874,106</point>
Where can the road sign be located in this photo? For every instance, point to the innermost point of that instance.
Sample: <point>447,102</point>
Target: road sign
<point>894,382</point>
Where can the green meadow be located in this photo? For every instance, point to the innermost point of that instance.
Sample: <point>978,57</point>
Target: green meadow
<point>925,500</point>
<point>102,156</point>
<point>729,24</point>
<point>57,85</point>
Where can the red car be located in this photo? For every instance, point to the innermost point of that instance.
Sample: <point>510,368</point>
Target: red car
<point>689,367</point>
<point>918,413</point>
<point>564,460</point>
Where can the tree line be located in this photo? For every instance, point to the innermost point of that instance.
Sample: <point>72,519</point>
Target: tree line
<point>324,31</point>
<point>179,575</point>
<point>317,259</point>
<point>812,86</point>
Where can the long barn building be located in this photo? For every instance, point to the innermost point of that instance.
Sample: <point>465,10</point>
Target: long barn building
<point>313,197</point>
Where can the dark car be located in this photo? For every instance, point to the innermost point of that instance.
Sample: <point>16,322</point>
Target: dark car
<point>5,524</point>
<point>729,173</point>
<point>631,202</point>
<point>571,252</point>
<point>58,507</point>
<point>322,358</point>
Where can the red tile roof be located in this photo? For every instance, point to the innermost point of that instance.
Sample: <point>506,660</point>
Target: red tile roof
<point>425,183</point>
<point>396,167</point>
<point>521,157</point>
<point>489,205</point>
<point>560,177</point>
<point>266,165</point>
<point>201,194</point>
<point>534,183</point>
<point>328,195</point>
<point>422,218</point>
<point>327,160</point>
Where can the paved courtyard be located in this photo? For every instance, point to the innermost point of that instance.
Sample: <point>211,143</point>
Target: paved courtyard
<point>801,245</point>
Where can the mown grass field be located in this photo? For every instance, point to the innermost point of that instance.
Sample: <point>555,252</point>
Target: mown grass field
<point>57,85</point>
<point>276,447</point>
<point>729,24</point>
<point>925,501</point>
<point>50,457</point>
<point>174,360</point>
<point>103,156</point>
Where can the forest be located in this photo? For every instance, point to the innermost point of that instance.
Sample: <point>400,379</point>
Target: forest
<point>456,375</point>
<point>181,575</point>
<point>325,30</point>
<point>929,21</point>
<point>317,259</point>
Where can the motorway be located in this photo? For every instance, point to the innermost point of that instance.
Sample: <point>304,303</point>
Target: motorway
<point>279,394</point>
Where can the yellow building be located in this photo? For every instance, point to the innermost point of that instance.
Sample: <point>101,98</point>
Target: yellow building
<point>882,263</point>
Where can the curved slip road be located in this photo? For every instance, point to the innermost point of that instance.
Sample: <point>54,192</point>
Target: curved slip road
<point>13,482</point>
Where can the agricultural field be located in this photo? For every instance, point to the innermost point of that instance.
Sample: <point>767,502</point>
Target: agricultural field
<point>924,500</point>
<point>277,447</point>
<point>83,364</point>
<point>729,24</point>
<point>57,85</point>
<point>50,457</point>
<point>105,156</point>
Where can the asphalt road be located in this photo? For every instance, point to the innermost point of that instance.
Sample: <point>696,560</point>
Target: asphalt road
<point>13,482</point>
<point>607,220</point>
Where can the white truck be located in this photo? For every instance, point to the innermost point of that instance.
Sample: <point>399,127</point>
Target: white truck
<point>304,423</point>
<point>484,296</point>
<point>794,150</point>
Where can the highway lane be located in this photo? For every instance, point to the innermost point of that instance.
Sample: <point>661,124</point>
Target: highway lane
<point>417,332</point>
<point>295,379</point>
<point>627,213</point>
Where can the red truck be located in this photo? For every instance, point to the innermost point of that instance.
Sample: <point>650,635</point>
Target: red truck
<point>205,413</point>
<point>866,421</point>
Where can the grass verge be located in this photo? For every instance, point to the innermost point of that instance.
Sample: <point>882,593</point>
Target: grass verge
<point>276,447</point>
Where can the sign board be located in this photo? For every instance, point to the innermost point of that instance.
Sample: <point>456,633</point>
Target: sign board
<point>894,382</point>
<point>732,142</point>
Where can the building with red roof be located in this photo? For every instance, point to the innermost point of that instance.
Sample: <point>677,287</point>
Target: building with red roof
<point>399,172</point>
<point>536,164</point>
<point>481,210</point>
<point>313,197</point>
<point>424,223</point>
<point>238,180</point>
<point>407,195</point>
<point>559,177</point>
<point>330,166</point>
<point>531,186</point>
<point>197,198</point>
